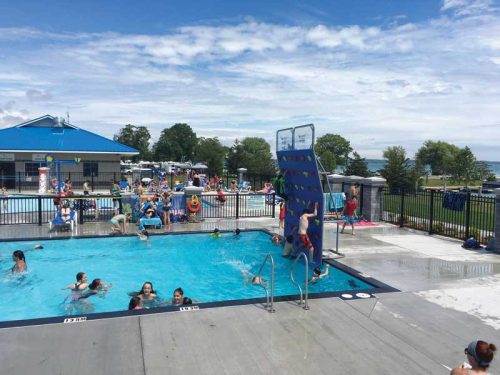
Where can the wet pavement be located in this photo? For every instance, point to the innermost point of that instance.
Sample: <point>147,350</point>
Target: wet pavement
<point>449,297</point>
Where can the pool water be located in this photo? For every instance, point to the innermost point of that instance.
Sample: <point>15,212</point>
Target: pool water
<point>208,269</point>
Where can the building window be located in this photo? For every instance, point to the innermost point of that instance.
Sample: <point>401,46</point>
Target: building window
<point>31,168</point>
<point>90,168</point>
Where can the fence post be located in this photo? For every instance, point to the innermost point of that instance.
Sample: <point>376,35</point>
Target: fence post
<point>92,180</point>
<point>402,208</point>
<point>19,180</point>
<point>80,212</point>
<point>237,205</point>
<point>39,210</point>
<point>467,217</point>
<point>274,205</point>
<point>431,213</point>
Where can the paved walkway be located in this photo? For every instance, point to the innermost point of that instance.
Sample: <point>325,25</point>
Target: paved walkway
<point>449,297</point>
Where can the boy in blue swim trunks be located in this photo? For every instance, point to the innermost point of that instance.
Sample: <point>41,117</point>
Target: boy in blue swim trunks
<point>350,213</point>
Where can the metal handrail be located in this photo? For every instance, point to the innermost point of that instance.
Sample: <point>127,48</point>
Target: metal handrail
<point>269,307</point>
<point>306,304</point>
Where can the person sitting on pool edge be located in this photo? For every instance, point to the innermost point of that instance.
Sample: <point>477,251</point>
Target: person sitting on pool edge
<point>317,275</point>
<point>216,233</point>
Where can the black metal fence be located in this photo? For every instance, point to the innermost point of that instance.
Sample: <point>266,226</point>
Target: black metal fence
<point>22,183</point>
<point>238,205</point>
<point>38,209</point>
<point>453,214</point>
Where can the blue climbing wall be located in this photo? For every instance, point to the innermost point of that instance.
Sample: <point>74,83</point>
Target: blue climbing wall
<point>303,190</point>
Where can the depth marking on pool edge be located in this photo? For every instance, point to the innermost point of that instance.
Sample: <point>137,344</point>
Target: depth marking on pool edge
<point>189,308</point>
<point>75,320</point>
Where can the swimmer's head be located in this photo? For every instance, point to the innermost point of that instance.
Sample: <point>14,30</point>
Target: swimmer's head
<point>147,288</point>
<point>18,255</point>
<point>145,233</point>
<point>95,284</point>
<point>134,303</point>
<point>216,230</point>
<point>81,277</point>
<point>38,247</point>
<point>237,231</point>
<point>317,272</point>
<point>178,296</point>
<point>187,301</point>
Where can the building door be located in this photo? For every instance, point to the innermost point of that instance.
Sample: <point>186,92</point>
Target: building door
<point>8,174</point>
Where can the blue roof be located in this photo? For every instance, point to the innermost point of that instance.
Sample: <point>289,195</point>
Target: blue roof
<point>49,135</point>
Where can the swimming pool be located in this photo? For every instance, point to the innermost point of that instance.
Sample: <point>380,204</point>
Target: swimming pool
<point>210,270</point>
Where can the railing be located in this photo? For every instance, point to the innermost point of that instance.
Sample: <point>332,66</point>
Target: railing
<point>22,183</point>
<point>453,214</point>
<point>238,205</point>
<point>306,304</point>
<point>41,209</point>
<point>269,306</point>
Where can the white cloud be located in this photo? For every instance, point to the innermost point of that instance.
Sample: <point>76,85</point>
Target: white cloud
<point>377,86</point>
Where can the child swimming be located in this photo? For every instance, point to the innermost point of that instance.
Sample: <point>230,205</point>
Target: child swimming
<point>216,233</point>
<point>143,235</point>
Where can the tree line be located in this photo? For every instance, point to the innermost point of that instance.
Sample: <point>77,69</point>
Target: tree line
<point>180,143</point>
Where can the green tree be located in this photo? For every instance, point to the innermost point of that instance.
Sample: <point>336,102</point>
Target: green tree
<point>484,172</point>
<point>234,158</point>
<point>327,160</point>
<point>211,152</point>
<point>438,155</point>
<point>464,167</point>
<point>336,144</point>
<point>137,137</point>
<point>252,153</point>
<point>398,170</point>
<point>357,166</point>
<point>176,143</point>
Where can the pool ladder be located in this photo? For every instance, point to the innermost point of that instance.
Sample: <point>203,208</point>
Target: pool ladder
<point>302,300</point>
<point>269,306</point>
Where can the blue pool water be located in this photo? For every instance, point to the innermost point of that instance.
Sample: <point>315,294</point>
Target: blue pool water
<point>208,269</point>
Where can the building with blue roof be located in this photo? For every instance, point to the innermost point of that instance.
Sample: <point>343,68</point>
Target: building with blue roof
<point>24,149</point>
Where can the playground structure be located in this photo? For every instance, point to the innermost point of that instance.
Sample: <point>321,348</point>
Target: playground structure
<point>298,166</point>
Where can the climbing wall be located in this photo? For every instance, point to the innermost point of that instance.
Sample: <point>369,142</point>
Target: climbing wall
<point>303,190</point>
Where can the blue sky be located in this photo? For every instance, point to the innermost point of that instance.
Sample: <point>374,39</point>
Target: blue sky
<point>380,73</point>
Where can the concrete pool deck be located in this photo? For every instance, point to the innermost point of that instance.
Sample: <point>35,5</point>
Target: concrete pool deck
<point>449,297</point>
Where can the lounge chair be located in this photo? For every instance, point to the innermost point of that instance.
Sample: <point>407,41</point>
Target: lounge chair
<point>58,221</point>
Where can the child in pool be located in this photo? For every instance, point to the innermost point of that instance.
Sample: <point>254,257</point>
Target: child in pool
<point>96,287</point>
<point>216,233</point>
<point>20,262</point>
<point>135,303</point>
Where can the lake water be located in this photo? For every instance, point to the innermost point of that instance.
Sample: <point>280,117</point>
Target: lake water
<point>377,164</point>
